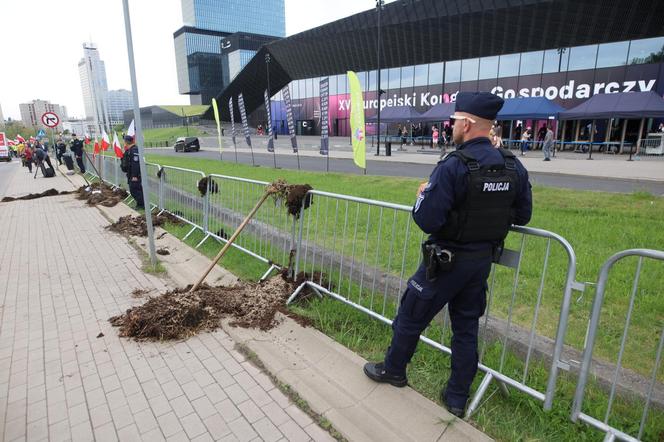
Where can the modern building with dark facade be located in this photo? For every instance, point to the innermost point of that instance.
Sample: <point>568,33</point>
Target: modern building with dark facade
<point>564,50</point>
<point>218,38</point>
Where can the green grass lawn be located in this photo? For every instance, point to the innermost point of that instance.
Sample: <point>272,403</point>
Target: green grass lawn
<point>596,224</point>
<point>170,133</point>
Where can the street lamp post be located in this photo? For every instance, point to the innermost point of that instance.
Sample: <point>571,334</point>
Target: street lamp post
<point>269,107</point>
<point>379,7</point>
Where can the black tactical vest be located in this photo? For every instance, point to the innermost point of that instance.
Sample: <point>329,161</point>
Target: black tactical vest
<point>486,213</point>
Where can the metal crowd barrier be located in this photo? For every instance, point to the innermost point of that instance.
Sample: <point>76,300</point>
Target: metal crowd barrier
<point>268,237</point>
<point>653,386</point>
<point>177,193</point>
<point>651,147</point>
<point>362,251</point>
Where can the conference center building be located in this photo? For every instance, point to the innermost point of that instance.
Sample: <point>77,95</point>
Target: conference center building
<point>430,50</point>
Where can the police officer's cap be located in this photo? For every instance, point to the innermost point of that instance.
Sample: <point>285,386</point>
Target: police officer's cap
<point>128,138</point>
<point>483,104</point>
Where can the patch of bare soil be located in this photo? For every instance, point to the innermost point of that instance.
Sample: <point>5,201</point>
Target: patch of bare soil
<point>139,293</point>
<point>136,225</point>
<point>34,196</point>
<point>179,314</point>
<point>163,252</point>
<point>101,193</point>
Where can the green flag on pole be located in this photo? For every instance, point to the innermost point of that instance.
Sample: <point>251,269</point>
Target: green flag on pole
<point>216,117</point>
<point>357,120</point>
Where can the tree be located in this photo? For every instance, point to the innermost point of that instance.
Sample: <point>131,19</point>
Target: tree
<point>13,128</point>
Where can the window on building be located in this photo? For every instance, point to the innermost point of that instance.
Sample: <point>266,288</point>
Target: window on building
<point>612,54</point>
<point>407,76</point>
<point>395,78</point>
<point>508,66</point>
<point>333,85</point>
<point>294,89</point>
<point>555,60</point>
<point>372,81</point>
<point>582,57</point>
<point>308,88</point>
<point>469,69</point>
<point>384,79</point>
<point>531,63</point>
<point>488,68</point>
<point>649,50</point>
<point>453,71</point>
<point>421,75</point>
<point>316,85</point>
<point>342,81</point>
<point>435,73</point>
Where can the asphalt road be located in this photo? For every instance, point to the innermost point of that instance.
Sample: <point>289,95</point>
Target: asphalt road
<point>420,170</point>
<point>7,171</point>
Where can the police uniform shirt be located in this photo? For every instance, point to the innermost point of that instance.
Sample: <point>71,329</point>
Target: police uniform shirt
<point>447,187</point>
<point>134,164</point>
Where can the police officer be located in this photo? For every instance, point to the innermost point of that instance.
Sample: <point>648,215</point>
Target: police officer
<point>60,149</point>
<point>472,197</point>
<point>131,166</point>
<point>76,146</point>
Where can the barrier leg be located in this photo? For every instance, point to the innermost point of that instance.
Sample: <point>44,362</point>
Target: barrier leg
<point>479,394</point>
<point>190,232</point>
<point>202,241</point>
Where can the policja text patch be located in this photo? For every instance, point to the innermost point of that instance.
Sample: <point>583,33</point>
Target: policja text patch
<point>496,187</point>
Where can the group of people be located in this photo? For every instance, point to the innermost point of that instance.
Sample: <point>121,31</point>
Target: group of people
<point>439,137</point>
<point>545,138</point>
<point>34,152</point>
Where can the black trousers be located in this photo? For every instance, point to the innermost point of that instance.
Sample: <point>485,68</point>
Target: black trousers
<point>136,191</point>
<point>79,161</point>
<point>463,289</point>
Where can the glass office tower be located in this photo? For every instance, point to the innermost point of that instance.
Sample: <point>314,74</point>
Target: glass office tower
<point>203,71</point>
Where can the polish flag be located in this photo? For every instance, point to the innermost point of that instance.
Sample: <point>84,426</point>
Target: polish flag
<point>116,146</point>
<point>87,138</point>
<point>33,139</point>
<point>105,141</point>
<point>10,142</point>
<point>132,131</point>
<point>96,148</point>
<point>20,138</point>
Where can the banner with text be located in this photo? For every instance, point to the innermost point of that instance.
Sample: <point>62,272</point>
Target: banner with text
<point>270,139</point>
<point>324,105</point>
<point>285,93</point>
<point>243,117</point>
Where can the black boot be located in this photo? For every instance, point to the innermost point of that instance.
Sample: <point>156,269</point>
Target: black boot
<point>376,371</point>
<point>458,412</point>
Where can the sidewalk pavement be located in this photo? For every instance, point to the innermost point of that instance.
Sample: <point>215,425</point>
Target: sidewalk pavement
<point>565,163</point>
<point>66,375</point>
<point>64,372</point>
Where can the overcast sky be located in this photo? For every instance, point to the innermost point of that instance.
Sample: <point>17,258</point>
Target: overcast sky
<point>42,45</point>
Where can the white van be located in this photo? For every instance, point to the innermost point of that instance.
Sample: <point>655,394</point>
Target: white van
<point>4,148</point>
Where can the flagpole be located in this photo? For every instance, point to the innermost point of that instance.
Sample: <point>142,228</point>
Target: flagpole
<point>139,135</point>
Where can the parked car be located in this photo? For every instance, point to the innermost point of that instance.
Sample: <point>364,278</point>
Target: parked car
<point>187,144</point>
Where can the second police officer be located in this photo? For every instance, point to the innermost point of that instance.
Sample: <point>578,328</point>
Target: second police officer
<point>131,166</point>
<point>471,199</point>
<point>76,146</point>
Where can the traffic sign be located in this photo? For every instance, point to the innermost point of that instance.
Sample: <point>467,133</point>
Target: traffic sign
<point>50,119</point>
<point>41,133</point>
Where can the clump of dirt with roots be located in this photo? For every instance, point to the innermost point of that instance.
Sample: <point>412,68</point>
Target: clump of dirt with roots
<point>180,313</point>
<point>137,226</point>
<point>102,194</point>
